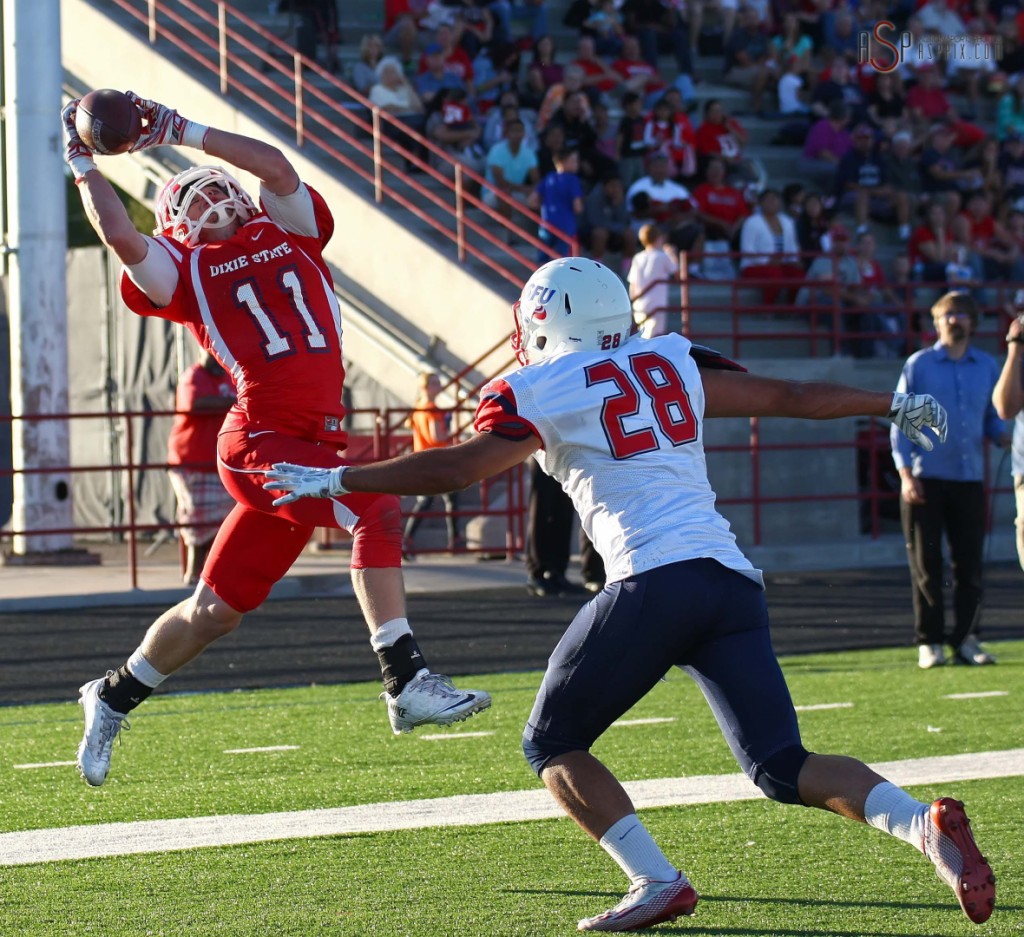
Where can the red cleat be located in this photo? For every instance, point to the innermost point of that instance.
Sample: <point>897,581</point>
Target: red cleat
<point>645,905</point>
<point>949,843</point>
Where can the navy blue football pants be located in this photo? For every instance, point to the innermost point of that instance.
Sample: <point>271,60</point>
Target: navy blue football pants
<point>698,615</point>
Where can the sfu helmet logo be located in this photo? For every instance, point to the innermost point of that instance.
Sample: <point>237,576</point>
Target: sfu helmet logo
<point>541,295</point>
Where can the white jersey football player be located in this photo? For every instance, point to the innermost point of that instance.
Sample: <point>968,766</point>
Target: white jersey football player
<point>618,421</point>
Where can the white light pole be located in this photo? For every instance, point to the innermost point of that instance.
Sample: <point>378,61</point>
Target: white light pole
<point>37,240</point>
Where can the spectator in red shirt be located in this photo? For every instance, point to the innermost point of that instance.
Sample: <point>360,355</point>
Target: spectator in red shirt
<point>990,241</point>
<point>598,74</point>
<point>402,26</point>
<point>456,61</point>
<point>204,394</point>
<point>671,134</point>
<point>721,207</point>
<point>724,136</point>
<point>931,245</point>
<point>638,75</point>
<point>927,102</point>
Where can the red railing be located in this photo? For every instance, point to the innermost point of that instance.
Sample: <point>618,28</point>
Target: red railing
<point>359,136</point>
<point>380,443</point>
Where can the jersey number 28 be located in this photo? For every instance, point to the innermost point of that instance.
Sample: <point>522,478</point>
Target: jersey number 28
<point>656,378</point>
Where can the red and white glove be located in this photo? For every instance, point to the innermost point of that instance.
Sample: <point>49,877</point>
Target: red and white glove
<point>76,154</point>
<point>165,127</point>
<point>912,412</point>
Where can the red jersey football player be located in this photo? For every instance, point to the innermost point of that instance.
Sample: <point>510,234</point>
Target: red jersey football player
<point>250,283</point>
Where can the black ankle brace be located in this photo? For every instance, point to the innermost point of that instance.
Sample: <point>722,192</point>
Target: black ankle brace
<point>400,663</point>
<point>122,691</point>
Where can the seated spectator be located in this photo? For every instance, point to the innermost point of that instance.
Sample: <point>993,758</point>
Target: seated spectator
<point>903,174</point>
<point>650,273</point>
<point>496,72</point>
<point>477,23</point>
<point>724,136</point>
<point>942,177</point>
<point>533,12</point>
<point>435,79</point>
<point>721,208</point>
<point>606,222</point>
<point>511,168</point>
<point>655,198</point>
<point>402,28</point>
<point>1015,232</point>
<point>793,196</point>
<point>887,321</point>
<point>749,59</point>
<point>989,240</point>
<point>364,71</point>
<point>632,149</point>
<point>498,116</point>
<point>840,85</point>
<point>827,143</point>
<point>598,74</point>
<point>393,93</point>
<point>454,129</point>
<point>965,270</point>
<point>455,60</point>
<point>985,162</point>
<point>792,89</point>
<point>931,245</point>
<point>661,28</point>
<point>812,225</point>
<point>940,17</point>
<point>559,200</point>
<point>606,133</point>
<point>790,46</point>
<point>571,83</point>
<point>1011,168</point>
<point>542,73</point>
<point>861,184</point>
<point>574,119</point>
<point>928,102</point>
<point>972,66</point>
<point>1010,111</point>
<point>887,105</point>
<point>638,75</point>
<point>770,249</point>
<point>606,26</point>
<point>841,33</point>
<point>671,134</point>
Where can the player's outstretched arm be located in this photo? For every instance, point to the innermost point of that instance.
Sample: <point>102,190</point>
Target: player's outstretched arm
<point>166,127</point>
<point>104,209</point>
<point>432,471</point>
<point>732,393</point>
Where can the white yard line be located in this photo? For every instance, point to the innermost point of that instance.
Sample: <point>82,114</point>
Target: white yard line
<point>256,751</point>
<point>817,706</point>
<point>446,736</point>
<point>626,723</point>
<point>976,695</point>
<point>44,764</point>
<point>123,839</point>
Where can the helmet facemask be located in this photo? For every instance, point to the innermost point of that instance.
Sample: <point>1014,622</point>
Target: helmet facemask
<point>192,187</point>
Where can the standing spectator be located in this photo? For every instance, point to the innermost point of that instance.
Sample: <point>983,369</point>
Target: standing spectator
<point>887,321</point>
<point>204,394</point>
<point>1008,399</point>
<point>827,143</point>
<point>511,168</point>
<point>550,516</point>
<point>720,207</point>
<point>942,491</point>
<point>290,378</point>
<point>770,250</point>
<point>749,58</point>
<point>649,276</point>
<point>861,184</point>
<point>431,429</point>
<point>606,222</point>
<point>559,199</point>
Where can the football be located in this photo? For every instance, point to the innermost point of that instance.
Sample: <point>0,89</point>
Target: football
<point>108,122</point>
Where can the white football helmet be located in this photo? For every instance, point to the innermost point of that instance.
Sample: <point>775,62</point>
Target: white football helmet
<point>571,304</point>
<point>189,188</point>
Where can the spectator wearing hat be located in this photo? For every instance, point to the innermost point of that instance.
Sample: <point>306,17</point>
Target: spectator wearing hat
<point>861,184</point>
<point>455,58</point>
<point>903,175</point>
<point>827,143</point>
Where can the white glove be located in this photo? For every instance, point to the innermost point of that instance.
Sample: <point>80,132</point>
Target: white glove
<point>165,127</point>
<point>301,481</point>
<point>76,154</point>
<point>911,412</point>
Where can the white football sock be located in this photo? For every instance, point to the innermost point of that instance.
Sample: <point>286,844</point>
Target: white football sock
<point>631,846</point>
<point>143,671</point>
<point>892,809</point>
<point>388,633</point>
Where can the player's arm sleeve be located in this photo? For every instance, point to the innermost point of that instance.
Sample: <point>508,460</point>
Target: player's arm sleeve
<point>713,360</point>
<point>156,275</point>
<point>498,414</point>
<point>296,213</point>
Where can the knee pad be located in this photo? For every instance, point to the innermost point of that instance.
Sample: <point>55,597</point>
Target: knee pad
<point>377,538</point>
<point>777,776</point>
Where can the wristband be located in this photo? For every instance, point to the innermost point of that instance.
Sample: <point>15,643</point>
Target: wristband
<point>1014,341</point>
<point>194,135</point>
<point>337,485</point>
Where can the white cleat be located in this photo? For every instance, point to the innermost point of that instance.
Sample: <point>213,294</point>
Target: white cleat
<point>949,843</point>
<point>102,724</point>
<point>972,653</point>
<point>930,655</point>
<point>646,904</point>
<point>432,699</point>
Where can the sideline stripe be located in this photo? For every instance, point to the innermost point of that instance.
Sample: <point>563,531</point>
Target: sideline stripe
<point>45,764</point>
<point>266,748</point>
<point>123,839</point>
<point>978,695</point>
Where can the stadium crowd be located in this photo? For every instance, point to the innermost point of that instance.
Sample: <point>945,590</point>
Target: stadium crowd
<point>912,170</point>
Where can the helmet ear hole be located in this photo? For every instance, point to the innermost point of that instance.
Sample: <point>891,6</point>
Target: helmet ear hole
<point>542,340</point>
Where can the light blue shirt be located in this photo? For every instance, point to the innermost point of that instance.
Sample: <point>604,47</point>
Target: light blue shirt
<point>1017,457</point>
<point>964,387</point>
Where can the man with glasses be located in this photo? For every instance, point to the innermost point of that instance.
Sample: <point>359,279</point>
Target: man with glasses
<point>942,492</point>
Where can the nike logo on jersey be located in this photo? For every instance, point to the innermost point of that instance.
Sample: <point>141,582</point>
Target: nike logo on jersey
<point>262,432</point>
<point>257,234</point>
